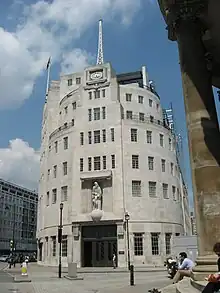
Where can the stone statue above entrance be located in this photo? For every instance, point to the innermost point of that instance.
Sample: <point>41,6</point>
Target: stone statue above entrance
<point>96,197</point>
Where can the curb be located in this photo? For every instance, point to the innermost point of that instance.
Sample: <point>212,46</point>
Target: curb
<point>20,279</point>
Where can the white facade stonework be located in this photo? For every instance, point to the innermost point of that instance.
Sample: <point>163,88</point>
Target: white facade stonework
<point>98,115</point>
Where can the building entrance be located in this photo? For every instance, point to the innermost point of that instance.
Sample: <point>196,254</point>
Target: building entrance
<point>99,243</point>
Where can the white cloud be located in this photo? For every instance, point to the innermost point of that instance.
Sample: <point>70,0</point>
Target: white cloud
<point>49,29</point>
<point>19,163</point>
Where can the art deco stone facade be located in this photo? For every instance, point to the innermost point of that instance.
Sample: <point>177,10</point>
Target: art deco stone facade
<point>99,126</point>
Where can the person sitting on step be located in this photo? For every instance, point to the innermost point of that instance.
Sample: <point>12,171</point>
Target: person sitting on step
<point>185,268</point>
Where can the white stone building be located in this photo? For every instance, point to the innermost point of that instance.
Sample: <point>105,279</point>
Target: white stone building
<point>107,128</point>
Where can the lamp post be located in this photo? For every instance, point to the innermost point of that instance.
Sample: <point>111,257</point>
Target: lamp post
<point>127,218</point>
<point>60,228</point>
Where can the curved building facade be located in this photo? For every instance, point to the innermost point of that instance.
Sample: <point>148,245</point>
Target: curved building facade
<point>107,128</point>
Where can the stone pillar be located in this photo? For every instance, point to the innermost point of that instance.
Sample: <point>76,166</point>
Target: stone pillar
<point>204,141</point>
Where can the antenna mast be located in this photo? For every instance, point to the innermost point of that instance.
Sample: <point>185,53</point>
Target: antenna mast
<point>100,57</point>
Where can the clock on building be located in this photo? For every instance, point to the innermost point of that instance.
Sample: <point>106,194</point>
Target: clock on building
<point>96,75</point>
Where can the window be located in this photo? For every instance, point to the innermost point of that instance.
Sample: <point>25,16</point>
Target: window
<point>53,238</point>
<point>165,190</point>
<point>97,94</point>
<point>64,193</point>
<point>89,137</point>
<point>135,162</point>
<point>155,243</point>
<point>138,244</point>
<point>78,80</point>
<point>48,173</point>
<point>72,122</point>
<point>161,140</point>
<point>89,164</point>
<point>140,99</point>
<point>129,114</point>
<point>66,109</point>
<point>96,112</point>
<point>168,243</point>
<point>133,135</point>
<point>152,188</point>
<point>103,113</point>
<point>64,246</point>
<point>81,138</point>
<point>170,144</point>
<point>65,143</point>
<point>103,93</point>
<point>54,195</point>
<point>90,95</point>
<point>128,97</point>
<point>176,171</point>
<point>97,163</point>
<point>151,119</point>
<point>96,134</point>
<point>157,107</point>
<point>113,161</point>
<point>90,114</point>
<point>174,192</point>
<point>64,168</point>
<point>163,165</point>
<point>81,164</point>
<point>104,162</point>
<point>74,105</point>
<point>150,163</point>
<point>141,116</point>
<point>171,168</point>
<point>112,134</point>
<point>150,103</point>
<point>70,82</point>
<point>103,135</point>
<point>56,146</point>
<point>55,171</point>
<point>48,198</point>
<point>149,136</point>
<point>136,188</point>
<point>177,194</point>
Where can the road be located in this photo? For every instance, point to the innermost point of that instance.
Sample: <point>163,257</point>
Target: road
<point>6,283</point>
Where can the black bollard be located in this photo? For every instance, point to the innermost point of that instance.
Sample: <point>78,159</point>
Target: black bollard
<point>131,275</point>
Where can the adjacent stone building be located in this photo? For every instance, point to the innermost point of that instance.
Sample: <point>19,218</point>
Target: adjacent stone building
<point>99,126</point>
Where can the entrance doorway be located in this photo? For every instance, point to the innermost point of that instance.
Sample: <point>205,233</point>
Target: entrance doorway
<point>99,243</point>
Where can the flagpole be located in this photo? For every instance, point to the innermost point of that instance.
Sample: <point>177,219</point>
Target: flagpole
<point>48,77</point>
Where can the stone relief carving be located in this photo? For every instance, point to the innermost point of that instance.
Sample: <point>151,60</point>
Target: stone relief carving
<point>96,197</point>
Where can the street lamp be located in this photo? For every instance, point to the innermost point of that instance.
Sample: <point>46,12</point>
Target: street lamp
<point>127,218</point>
<point>60,228</point>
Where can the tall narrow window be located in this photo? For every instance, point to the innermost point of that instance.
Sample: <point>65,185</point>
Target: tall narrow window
<point>90,137</point>
<point>54,243</point>
<point>55,171</point>
<point>129,114</point>
<point>89,164</point>
<point>113,161</point>
<point>112,134</point>
<point>97,94</point>
<point>64,246</point>
<point>171,169</point>
<point>174,192</point>
<point>48,198</point>
<point>56,146</point>
<point>136,188</point>
<point>168,243</point>
<point>64,191</point>
<point>140,99</point>
<point>128,97</point>
<point>133,135</point>
<point>170,144</point>
<point>155,243</point>
<point>103,113</point>
<point>103,135</point>
<point>64,168</point>
<point>66,109</point>
<point>151,163</point>
<point>141,117</point>
<point>48,174</point>
<point>161,140</point>
<point>103,93</point>
<point>74,105</point>
<point>54,195</point>
<point>150,103</point>
<point>65,143</point>
<point>81,165</point>
<point>90,95</point>
<point>149,136</point>
<point>97,136</point>
<point>152,188</point>
<point>69,81</point>
<point>163,165</point>
<point>96,112</point>
<point>81,138</point>
<point>135,162</point>
<point>90,114</point>
<point>97,163</point>
<point>138,244</point>
<point>78,80</point>
<point>165,190</point>
<point>104,162</point>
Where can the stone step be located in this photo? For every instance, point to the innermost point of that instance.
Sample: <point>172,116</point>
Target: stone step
<point>185,286</point>
<point>199,285</point>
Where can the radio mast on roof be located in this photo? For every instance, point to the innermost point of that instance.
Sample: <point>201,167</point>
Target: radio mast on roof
<point>100,57</point>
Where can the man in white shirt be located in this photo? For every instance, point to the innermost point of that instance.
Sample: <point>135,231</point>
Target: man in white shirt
<point>184,269</point>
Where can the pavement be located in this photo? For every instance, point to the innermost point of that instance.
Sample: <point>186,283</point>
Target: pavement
<point>101,280</point>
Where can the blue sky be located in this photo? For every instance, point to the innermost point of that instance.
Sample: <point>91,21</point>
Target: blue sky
<point>133,36</point>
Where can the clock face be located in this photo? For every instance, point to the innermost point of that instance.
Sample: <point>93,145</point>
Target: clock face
<point>96,75</point>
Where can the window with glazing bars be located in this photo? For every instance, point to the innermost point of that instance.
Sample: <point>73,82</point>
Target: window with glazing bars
<point>138,244</point>
<point>168,243</point>
<point>152,188</point>
<point>96,134</point>
<point>81,164</point>
<point>149,136</point>
<point>136,188</point>
<point>155,243</point>
<point>64,193</point>
<point>97,163</point>
<point>64,245</point>
<point>81,138</point>
<point>103,135</point>
<point>133,135</point>
<point>151,163</point>
<point>135,162</point>
<point>96,113</point>
<point>104,162</point>
<point>113,161</point>
<point>165,190</point>
<point>54,246</point>
<point>89,164</point>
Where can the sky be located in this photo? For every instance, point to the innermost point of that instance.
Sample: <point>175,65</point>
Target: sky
<point>67,30</point>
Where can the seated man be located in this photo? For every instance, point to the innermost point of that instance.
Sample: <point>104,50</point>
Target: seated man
<point>214,279</point>
<point>184,269</point>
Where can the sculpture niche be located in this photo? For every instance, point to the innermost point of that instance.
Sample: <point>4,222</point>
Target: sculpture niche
<point>96,202</point>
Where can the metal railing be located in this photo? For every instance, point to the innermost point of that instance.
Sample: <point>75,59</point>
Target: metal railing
<point>65,126</point>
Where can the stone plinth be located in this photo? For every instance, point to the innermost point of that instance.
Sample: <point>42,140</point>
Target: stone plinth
<point>96,215</point>
<point>72,272</point>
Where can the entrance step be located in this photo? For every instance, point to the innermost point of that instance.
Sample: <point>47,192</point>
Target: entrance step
<point>185,286</point>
